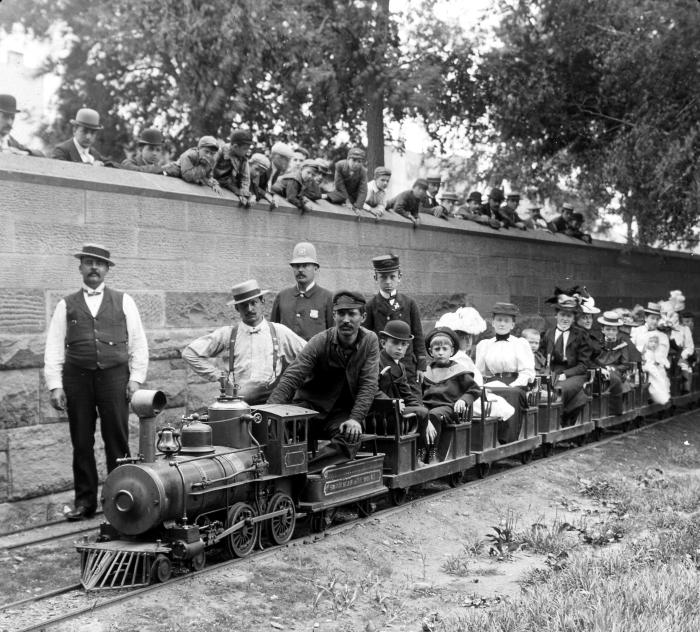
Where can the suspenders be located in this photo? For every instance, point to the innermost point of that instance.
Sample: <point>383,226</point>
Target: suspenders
<point>275,349</point>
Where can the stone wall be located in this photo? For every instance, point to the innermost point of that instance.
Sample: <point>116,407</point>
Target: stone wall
<point>179,248</point>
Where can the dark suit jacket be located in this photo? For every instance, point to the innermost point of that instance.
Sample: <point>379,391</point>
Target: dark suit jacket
<point>393,383</point>
<point>67,151</point>
<point>578,352</point>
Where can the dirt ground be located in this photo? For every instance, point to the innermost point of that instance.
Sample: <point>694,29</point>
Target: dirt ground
<point>391,573</point>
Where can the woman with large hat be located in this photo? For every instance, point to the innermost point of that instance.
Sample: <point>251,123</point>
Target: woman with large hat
<point>568,354</point>
<point>508,366</point>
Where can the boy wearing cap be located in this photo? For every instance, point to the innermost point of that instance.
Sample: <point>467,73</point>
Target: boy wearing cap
<point>196,165</point>
<point>80,148</point>
<point>375,202</point>
<point>336,375</point>
<point>96,358</point>
<point>507,214</point>
<point>149,155</point>
<point>407,203</point>
<point>306,308</point>
<point>561,221</point>
<point>232,170</point>
<point>299,187</point>
<point>351,178</point>
<point>615,358</point>
<point>8,143</point>
<point>448,388</point>
<point>388,304</point>
<point>535,221</point>
<point>448,202</point>
<point>258,351</point>
<point>429,204</point>
<point>259,165</point>
<point>280,155</point>
<point>394,341</point>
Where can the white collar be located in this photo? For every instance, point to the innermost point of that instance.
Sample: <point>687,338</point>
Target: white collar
<point>99,288</point>
<point>253,330</point>
<point>83,152</point>
<point>387,296</point>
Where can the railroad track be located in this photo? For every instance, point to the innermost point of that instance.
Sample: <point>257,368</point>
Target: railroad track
<point>92,602</point>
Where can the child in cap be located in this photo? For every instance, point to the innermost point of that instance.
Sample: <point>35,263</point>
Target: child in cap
<point>394,341</point>
<point>196,165</point>
<point>389,304</point>
<point>375,202</point>
<point>448,388</point>
<point>351,178</point>
<point>232,169</point>
<point>407,203</point>
<point>299,187</point>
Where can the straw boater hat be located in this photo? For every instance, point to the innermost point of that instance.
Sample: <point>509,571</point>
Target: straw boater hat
<point>613,319</point>
<point>96,251</point>
<point>246,291</point>
<point>653,308</point>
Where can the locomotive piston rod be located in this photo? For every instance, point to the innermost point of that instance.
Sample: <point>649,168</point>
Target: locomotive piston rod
<point>147,405</point>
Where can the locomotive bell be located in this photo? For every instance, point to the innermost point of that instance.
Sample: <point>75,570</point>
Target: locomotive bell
<point>168,441</point>
<point>196,437</point>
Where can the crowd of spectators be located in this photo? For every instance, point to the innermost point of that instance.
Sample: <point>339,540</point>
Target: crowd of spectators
<point>254,173</point>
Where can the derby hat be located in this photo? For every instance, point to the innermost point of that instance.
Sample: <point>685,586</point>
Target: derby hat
<point>261,160</point>
<point>612,319</point>
<point>385,263</point>
<point>358,153</point>
<point>506,309</point>
<point>449,195</point>
<point>567,206</point>
<point>397,329</point>
<point>85,117</point>
<point>8,104</point>
<point>241,137</point>
<point>304,252</point>
<point>208,141</point>
<point>653,308</point>
<point>246,291</point>
<point>150,136</point>
<point>443,331</point>
<point>96,251</point>
<point>474,196</point>
<point>434,178</point>
<point>382,171</point>
<point>496,194</point>
<point>345,299</point>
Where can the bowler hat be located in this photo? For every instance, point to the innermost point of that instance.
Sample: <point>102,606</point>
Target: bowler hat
<point>443,331</point>
<point>96,251</point>
<point>398,329</point>
<point>357,152</point>
<point>421,184</point>
<point>653,308</point>
<point>8,104</point>
<point>259,159</point>
<point>304,252</point>
<point>474,196</point>
<point>345,299</point>
<point>382,171</point>
<point>241,137</point>
<point>150,136</point>
<point>385,263</point>
<point>613,319</point>
<point>208,141</point>
<point>246,291</point>
<point>85,117</point>
<point>506,309</point>
<point>282,149</point>
<point>496,194</point>
<point>449,195</point>
<point>434,178</point>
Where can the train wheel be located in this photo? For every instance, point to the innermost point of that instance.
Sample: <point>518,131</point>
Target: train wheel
<point>240,543</point>
<point>597,434</point>
<point>455,479</point>
<point>526,457</point>
<point>198,561</point>
<point>398,495</point>
<point>482,469</point>
<point>281,528</point>
<point>547,449</point>
<point>161,569</point>
<point>581,440</point>
<point>365,508</point>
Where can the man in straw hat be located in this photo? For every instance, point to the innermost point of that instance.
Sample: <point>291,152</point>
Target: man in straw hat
<point>336,375</point>
<point>8,144</point>
<point>80,148</point>
<point>306,308</point>
<point>96,358</point>
<point>258,351</point>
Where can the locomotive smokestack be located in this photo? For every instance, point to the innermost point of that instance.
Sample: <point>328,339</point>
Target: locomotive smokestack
<point>147,405</point>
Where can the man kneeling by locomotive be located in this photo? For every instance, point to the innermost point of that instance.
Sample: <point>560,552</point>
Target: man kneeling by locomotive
<point>335,374</point>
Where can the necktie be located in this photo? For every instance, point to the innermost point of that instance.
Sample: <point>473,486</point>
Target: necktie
<point>559,345</point>
<point>502,337</point>
<point>92,292</point>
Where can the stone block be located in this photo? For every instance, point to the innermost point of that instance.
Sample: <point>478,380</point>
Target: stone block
<point>197,309</point>
<point>133,274</point>
<point>164,344</point>
<point>21,351</point>
<point>170,377</point>
<point>161,242</point>
<point>44,203</point>
<point>155,211</point>
<point>4,477</point>
<point>19,398</point>
<point>7,231</point>
<point>22,310</point>
<point>106,207</point>
<point>151,306</point>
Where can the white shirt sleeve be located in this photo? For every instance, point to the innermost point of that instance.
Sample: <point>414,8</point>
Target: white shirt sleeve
<point>196,353</point>
<point>480,353</point>
<point>138,344</point>
<point>55,353</point>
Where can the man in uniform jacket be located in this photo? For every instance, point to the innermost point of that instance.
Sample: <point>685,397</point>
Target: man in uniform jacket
<point>96,358</point>
<point>336,375</point>
<point>306,308</point>
<point>8,144</point>
<point>568,354</point>
<point>80,148</point>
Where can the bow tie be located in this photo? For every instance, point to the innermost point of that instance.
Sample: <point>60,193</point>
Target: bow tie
<point>93,292</point>
<point>300,293</point>
<point>502,337</point>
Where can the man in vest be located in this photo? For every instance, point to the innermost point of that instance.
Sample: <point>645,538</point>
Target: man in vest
<point>258,350</point>
<point>96,358</point>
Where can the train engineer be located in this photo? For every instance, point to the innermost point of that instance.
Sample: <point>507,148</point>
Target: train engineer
<point>336,375</point>
<point>258,351</point>
<point>96,358</point>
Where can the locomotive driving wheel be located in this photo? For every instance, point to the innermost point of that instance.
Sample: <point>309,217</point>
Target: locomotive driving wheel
<point>241,542</point>
<point>526,457</point>
<point>321,520</point>
<point>456,479</point>
<point>280,528</point>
